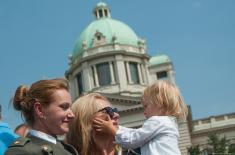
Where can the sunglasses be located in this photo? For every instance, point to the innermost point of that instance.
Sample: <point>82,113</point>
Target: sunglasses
<point>110,111</point>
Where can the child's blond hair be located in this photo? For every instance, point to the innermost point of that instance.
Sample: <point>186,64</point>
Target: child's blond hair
<point>168,99</point>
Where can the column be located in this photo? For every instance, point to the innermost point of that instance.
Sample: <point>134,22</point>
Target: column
<point>92,83</point>
<point>143,73</point>
<point>96,76</point>
<point>139,73</point>
<point>146,71</point>
<point>111,72</point>
<point>128,72</point>
<point>121,72</point>
<point>171,75</point>
<point>86,77</point>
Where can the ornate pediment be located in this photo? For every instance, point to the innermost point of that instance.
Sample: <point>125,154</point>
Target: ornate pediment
<point>98,39</point>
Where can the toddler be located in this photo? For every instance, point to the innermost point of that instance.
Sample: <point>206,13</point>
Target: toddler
<point>163,106</point>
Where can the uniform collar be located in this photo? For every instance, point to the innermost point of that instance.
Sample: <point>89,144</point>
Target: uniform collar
<point>43,135</point>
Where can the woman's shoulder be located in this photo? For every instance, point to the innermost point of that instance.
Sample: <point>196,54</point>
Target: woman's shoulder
<point>23,145</point>
<point>33,145</point>
<point>69,148</point>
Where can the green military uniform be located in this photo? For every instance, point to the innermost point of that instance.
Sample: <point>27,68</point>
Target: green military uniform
<point>36,146</point>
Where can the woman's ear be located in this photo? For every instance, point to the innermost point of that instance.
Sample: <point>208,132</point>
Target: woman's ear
<point>38,110</point>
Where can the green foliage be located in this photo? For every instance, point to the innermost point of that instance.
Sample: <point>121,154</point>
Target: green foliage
<point>194,150</point>
<point>217,146</point>
<point>231,148</point>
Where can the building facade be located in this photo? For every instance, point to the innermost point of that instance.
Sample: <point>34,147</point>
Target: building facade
<point>110,58</point>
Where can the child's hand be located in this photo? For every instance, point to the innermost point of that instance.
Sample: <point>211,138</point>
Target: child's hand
<point>102,125</point>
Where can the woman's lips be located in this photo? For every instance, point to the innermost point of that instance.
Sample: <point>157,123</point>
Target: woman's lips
<point>115,123</point>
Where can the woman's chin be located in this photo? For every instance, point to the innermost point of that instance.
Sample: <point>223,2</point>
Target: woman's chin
<point>64,130</point>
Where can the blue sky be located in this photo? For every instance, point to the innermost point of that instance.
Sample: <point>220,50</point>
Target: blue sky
<point>36,37</point>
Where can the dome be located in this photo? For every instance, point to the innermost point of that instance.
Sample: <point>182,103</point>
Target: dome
<point>107,27</point>
<point>159,59</point>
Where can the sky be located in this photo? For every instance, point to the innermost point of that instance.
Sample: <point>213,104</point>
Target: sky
<point>36,37</point>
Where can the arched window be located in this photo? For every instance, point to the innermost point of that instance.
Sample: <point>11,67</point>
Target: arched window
<point>100,13</point>
<point>134,72</point>
<point>103,72</point>
<point>80,83</point>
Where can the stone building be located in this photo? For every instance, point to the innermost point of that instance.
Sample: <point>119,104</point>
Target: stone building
<point>110,58</point>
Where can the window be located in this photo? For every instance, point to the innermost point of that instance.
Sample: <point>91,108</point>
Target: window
<point>106,12</point>
<point>100,13</point>
<point>98,37</point>
<point>80,83</point>
<point>134,72</point>
<point>162,75</point>
<point>103,72</point>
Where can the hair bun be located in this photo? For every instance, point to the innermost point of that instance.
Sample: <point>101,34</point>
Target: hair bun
<point>19,100</point>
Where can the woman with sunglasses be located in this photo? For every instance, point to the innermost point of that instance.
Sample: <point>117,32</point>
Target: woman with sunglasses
<point>81,134</point>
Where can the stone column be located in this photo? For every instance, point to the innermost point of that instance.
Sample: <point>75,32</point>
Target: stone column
<point>86,77</point>
<point>96,76</point>
<point>121,72</point>
<point>143,73</point>
<point>139,73</point>
<point>111,72</point>
<point>146,69</point>
<point>171,75</point>
<point>128,72</point>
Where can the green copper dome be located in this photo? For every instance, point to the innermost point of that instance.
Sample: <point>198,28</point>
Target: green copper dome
<point>108,27</point>
<point>159,59</point>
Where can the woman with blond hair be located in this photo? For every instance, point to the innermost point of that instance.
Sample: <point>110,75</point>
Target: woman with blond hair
<point>163,106</point>
<point>81,134</point>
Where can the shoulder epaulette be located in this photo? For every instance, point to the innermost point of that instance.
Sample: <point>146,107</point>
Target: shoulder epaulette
<point>20,142</point>
<point>47,150</point>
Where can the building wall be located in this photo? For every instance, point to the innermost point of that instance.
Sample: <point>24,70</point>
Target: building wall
<point>131,111</point>
<point>222,125</point>
<point>185,137</point>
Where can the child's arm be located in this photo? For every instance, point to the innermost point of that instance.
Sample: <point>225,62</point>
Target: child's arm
<point>128,137</point>
<point>104,126</point>
<point>134,138</point>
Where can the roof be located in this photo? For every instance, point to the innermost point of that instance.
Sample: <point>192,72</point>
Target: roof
<point>107,27</point>
<point>159,59</point>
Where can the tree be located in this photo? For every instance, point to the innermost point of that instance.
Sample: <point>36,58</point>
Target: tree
<point>218,145</point>
<point>194,150</point>
<point>231,148</point>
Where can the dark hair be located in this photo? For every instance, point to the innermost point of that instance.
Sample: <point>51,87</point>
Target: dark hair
<point>40,91</point>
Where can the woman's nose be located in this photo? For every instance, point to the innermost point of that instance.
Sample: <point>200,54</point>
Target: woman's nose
<point>116,115</point>
<point>71,114</point>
